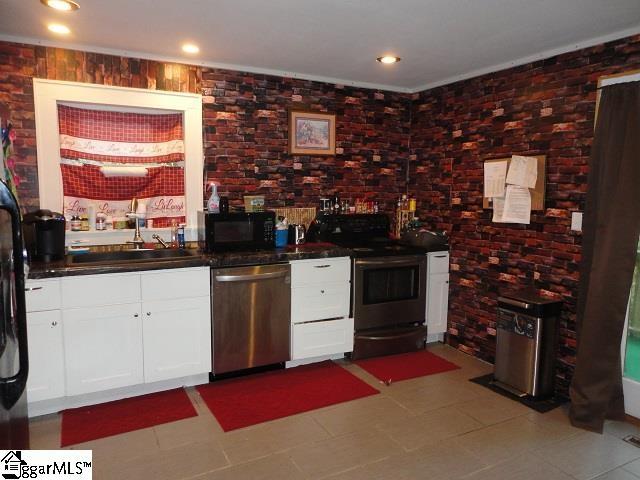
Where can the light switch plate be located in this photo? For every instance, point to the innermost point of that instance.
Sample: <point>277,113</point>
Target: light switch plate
<point>576,221</point>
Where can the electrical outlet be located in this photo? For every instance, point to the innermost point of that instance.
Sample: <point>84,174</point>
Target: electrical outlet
<point>576,221</point>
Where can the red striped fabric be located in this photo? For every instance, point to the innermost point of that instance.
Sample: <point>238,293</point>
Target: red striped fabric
<point>91,138</point>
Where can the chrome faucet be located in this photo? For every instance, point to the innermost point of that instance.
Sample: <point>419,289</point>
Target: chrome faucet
<point>160,240</point>
<point>138,241</point>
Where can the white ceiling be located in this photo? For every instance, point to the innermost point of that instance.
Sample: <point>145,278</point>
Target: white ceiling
<point>440,41</point>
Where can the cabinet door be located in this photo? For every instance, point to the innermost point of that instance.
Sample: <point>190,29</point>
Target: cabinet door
<point>103,347</point>
<point>46,357</point>
<point>177,338</point>
<point>437,303</point>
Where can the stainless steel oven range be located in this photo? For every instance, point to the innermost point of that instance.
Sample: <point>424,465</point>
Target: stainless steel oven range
<point>388,284</point>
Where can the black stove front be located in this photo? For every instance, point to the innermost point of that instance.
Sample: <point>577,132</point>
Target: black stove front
<point>388,284</point>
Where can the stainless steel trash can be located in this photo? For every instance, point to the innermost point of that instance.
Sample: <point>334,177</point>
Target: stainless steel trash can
<point>526,343</point>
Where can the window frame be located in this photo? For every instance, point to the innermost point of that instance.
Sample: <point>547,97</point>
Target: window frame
<point>49,93</point>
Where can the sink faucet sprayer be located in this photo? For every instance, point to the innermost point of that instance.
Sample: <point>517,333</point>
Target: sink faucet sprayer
<point>138,241</point>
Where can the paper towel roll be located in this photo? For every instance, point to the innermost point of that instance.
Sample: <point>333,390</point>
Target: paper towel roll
<point>123,171</point>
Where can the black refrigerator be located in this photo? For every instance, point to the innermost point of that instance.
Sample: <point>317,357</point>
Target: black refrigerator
<point>14,360</point>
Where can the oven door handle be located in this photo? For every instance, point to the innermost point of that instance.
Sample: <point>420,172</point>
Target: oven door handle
<point>393,262</point>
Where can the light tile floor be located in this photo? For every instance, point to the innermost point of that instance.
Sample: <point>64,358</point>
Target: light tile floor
<point>436,427</point>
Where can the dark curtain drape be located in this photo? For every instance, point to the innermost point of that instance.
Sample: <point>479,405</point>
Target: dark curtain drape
<point>611,229</point>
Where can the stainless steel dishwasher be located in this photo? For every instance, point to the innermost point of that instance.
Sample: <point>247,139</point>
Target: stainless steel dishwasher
<point>251,316</point>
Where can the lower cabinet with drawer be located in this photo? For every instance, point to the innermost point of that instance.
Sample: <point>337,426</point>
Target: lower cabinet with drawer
<point>46,378</point>
<point>116,333</point>
<point>320,294</point>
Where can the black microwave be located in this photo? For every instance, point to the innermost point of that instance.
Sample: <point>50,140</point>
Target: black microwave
<point>236,231</point>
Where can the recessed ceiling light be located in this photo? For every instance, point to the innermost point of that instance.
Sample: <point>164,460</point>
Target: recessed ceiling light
<point>59,28</point>
<point>190,48</point>
<point>62,5</point>
<point>388,59</point>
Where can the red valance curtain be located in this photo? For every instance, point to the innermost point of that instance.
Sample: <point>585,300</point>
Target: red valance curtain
<point>109,157</point>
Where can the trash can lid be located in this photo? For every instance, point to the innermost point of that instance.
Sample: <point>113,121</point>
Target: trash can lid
<point>530,301</point>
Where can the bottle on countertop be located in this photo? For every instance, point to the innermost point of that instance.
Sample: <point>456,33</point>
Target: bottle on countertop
<point>282,232</point>
<point>91,216</point>
<point>181,240</point>
<point>174,233</point>
<point>213,205</point>
<point>141,212</point>
<point>376,208</point>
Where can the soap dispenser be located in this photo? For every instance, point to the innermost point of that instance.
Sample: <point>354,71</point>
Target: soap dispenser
<point>213,205</point>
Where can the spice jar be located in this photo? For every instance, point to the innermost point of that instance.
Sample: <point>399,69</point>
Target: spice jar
<point>76,224</point>
<point>101,221</point>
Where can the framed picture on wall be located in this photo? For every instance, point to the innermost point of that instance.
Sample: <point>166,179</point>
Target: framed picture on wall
<point>312,133</point>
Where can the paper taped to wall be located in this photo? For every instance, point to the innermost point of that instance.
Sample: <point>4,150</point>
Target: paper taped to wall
<point>517,205</point>
<point>495,174</point>
<point>523,171</point>
<point>498,209</point>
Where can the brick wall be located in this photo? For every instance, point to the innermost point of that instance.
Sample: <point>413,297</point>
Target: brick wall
<point>546,107</point>
<point>542,108</point>
<point>245,125</point>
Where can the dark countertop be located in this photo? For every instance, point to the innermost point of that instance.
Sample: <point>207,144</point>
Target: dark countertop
<point>62,268</point>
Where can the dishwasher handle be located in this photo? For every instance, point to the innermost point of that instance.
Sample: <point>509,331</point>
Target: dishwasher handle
<point>254,277</point>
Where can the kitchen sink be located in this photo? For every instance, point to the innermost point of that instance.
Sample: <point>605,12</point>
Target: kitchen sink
<point>142,255</point>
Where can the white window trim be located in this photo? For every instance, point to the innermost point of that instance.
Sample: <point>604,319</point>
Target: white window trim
<point>49,93</point>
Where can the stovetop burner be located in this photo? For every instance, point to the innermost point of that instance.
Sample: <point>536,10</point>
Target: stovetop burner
<point>366,235</point>
<point>380,249</point>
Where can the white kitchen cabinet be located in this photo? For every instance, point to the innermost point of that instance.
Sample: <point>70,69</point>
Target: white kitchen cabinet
<point>177,338</point>
<point>320,295</point>
<point>320,271</point>
<point>42,295</point>
<point>44,336</point>
<point>103,289</point>
<point>437,292</point>
<point>175,283</point>
<point>102,347</point>
<point>46,356</point>
<point>321,301</point>
<point>326,337</point>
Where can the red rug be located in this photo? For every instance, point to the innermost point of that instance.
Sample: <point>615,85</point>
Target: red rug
<point>393,368</point>
<point>121,416</point>
<point>240,402</point>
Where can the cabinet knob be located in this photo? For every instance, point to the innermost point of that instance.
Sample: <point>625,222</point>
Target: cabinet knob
<point>136,315</point>
<point>54,323</point>
<point>321,291</point>
<point>148,314</point>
